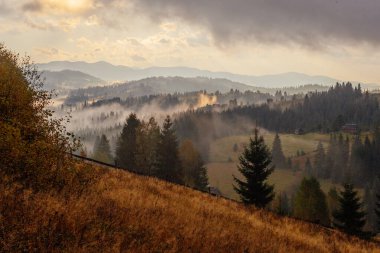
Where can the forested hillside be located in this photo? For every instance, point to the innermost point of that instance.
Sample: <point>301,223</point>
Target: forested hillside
<point>50,202</point>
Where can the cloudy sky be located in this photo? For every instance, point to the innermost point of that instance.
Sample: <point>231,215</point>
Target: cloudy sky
<point>338,38</point>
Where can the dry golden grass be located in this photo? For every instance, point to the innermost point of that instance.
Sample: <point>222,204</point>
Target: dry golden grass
<point>121,212</point>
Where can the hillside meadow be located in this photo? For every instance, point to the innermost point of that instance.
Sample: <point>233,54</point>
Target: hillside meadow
<point>117,211</point>
<point>224,160</point>
<point>221,176</point>
<point>221,150</point>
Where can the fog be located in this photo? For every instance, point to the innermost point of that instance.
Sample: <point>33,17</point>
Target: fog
<point>87,122</point>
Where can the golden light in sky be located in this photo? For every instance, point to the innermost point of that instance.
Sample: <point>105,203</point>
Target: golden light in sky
<point>68,5</point>
<point>255,37</point>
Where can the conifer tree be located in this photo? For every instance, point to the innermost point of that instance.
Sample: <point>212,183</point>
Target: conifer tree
<point>310,202</point>
<point>153,139</point>
<point>281,204</point>
<point>332,201</point>
<point>377,211</point>
<point>255,166</point>
<point>102,150</point>
<point>278,157</point>
<point>289,163</point>
<point>319,164</point>
<point>356,162</point>
<point>332,159</point>
<point>308,167</point>
<point>148,137</point>
<point>349,217</point>
<point>169,164</point>
<point>127,144</point>
<point>377,204</point>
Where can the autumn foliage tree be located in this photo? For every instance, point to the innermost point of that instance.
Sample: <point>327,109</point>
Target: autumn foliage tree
<point>33,145</point>
<point>194,171</point>
<point>310,202</point>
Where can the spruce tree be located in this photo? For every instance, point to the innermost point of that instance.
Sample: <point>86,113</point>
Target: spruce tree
<point>349,217</point>
<point>377,211</point>
<point>310,202</point>
<point>102,150</point>
<point>356,161</point>
<point>319,164</point>
<point>255,166</point>
<point>148,137</point>
<point>377,204</point>
<point>169,164</point>
<point>153,139</point>
<point>332,201</point>
<point>281,204</point>
<point>126,148</point>
<point>278,157</point>
<point>308,167</point>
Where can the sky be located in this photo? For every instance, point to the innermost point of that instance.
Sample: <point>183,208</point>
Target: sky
<point>337,38</point>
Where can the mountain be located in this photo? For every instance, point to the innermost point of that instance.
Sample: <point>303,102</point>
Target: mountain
<point>109,72</point>
<point>163,85</point>
<point>69,79</point>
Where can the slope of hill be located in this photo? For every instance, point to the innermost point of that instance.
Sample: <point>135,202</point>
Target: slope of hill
<point>109,72</point>
<point>69,79</point>
<point>120,212</point>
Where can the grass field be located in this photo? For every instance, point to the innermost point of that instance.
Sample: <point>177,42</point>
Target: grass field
<point>221,150</point>
<point>220,175</point>
<point>223,160</point>
<point>120,212</point>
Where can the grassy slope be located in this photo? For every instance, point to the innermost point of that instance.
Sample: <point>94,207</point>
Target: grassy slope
<point>220,171</point>
<point>220,175</point>
<point>122,212</point>
<point>222,149</point>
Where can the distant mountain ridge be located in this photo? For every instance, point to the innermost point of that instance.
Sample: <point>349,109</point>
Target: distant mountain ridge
<point>106,71</point>
<point>162,85</point>
<point>69,79</point>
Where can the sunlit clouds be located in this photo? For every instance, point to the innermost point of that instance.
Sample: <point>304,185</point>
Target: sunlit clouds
<point>247,37</point>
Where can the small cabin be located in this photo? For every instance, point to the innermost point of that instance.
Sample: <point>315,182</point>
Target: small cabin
<point>350,128</point>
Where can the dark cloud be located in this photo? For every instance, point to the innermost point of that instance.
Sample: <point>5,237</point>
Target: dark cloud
<point>33,6</point>
<point>5,10</point>
<point>311,23</point>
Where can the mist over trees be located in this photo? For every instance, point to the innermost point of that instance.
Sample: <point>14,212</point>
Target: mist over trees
<point>102,150</point>
<point>146,148</point>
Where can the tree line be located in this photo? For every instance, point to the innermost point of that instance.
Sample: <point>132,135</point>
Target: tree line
<point>345,212</point>
<point>322,111</point>
<point>147,148</point>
